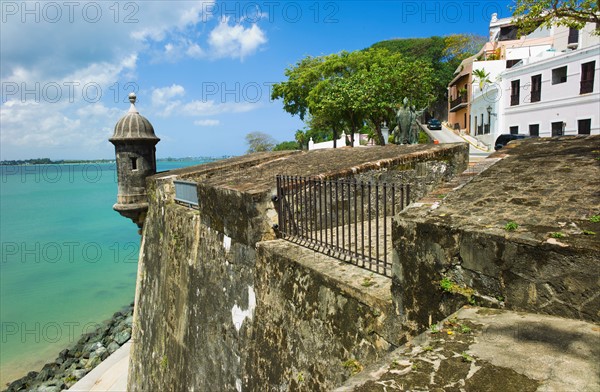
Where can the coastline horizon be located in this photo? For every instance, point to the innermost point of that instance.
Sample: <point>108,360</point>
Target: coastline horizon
<point>68,259</point>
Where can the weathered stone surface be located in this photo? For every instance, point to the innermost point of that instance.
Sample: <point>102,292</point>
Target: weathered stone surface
<point>482,349</point>
<point>122,337</point>
<point>315,320</point>
<point>196,290</point>
<point>545,186</point>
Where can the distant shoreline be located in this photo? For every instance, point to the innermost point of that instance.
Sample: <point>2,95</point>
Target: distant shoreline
<point>47,161</point>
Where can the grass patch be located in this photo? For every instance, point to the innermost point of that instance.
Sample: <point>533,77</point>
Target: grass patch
<point>451,287</point>
<point>353,365</point>
<point>511,226</point>
<point>368,281</point>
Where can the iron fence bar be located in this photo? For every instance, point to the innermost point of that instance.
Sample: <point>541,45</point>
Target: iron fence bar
<point>407,194</point>
<point>355,220</point>
<point>362,221</point>
<point>350,202</point>
<point>289,206</point>
<point>370,236</point>
<point>325,207</point>
<point>343,212</point>
<point>331,211</point>
<point>320,212</point>
<point>297,226</point>
<point>384,227</point>
<point>337,224</point>
<point>280,215</point>
<point>314,209</point>
<point>393,199</point>
<point>377,225</point>
<point>303,208</point>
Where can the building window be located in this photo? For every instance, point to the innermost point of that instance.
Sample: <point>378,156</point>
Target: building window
<point>573,37</point>
<point>511,63</point>
<point>534,130</point>
<point>584,126</point>
<point>557,128</point>
<point>515,87</point>
<point>514,130</point>
<point>133,163</point>
<point>508,33</point>
<point>536,88</point>
<point>559,75</point>
<point>587,77</point>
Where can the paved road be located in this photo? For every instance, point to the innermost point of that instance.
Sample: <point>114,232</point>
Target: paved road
<point>446,135</point>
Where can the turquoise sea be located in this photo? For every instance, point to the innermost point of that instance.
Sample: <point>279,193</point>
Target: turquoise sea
<point>68,260</point>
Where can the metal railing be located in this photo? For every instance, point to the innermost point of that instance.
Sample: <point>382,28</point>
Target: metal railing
<point>186,193</point>
<point>457,101</point>
<point>346,219</point>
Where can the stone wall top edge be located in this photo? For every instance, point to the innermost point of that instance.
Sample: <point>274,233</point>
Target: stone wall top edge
<point>257,176</point>
<point>498,234</point>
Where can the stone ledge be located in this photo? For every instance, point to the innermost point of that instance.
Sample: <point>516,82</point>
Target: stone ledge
<point>481,349</point>
<point>346,277</point>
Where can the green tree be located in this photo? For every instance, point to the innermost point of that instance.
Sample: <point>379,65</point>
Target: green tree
<point>481,77</point>
<point>443,54</point>
<point>342,92</point>
<point>259,142</point>
<point>316,134</point>
<point>289,145</point>
<point>531,14</point>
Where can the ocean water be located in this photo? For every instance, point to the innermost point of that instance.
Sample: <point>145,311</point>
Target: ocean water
<point>68,260</point>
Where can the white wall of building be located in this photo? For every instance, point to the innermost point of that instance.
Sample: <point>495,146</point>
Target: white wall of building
<point>560,102</point>
<point>359,139</point>
<point>488,97</point>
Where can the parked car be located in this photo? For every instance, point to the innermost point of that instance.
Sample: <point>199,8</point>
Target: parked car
<point>434,124</point>
<point>503,139</point>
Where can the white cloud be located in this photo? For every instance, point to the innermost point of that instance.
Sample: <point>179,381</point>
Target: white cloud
<point>166,105</point>
<point>162,96</point>
<point>210,108</point>
<point>79,38</point>
<point>195,51</point>
<point>162,99</point>
<point>95,65</point>
<point>235,41</point>
<point>207,123</point>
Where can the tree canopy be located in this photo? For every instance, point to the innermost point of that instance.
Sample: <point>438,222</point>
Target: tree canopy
<point>531,14</point>
<point>259,142</point>
<point>443,54</point>
<point>345,91</point>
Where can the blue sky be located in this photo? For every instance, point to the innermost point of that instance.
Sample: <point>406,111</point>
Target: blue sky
<point>202,70</point>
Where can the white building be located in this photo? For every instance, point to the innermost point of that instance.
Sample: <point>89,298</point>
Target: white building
<point>554,95</point>
<point>547,78</point>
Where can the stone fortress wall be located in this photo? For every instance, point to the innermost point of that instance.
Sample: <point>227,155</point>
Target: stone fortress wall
<point>222,304</point>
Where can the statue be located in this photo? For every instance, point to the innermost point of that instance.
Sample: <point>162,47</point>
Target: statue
<point>406,132</point>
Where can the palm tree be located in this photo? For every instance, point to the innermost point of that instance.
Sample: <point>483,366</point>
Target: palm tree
<point>482,77</point>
